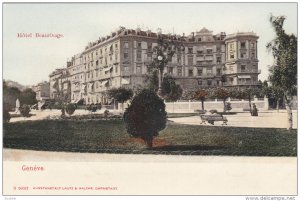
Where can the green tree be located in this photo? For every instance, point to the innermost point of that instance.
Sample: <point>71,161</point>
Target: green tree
<point>283,74</point>
<point>152,79</point>
<point>120,94</point>
<point>145,116</point>
<point>70,108</point>
<point>10,95</point>
<point>170,91</point>
<point>163,53</point>
<point>28,97</point>
<point>6,115</point>
<point>274,94</point>
<point>63,94</point>
<point>221,93</point>
<point>201,95</point>
<point>247,94</point>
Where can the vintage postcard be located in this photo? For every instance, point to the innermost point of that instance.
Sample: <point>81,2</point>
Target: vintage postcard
<point>150,99</point>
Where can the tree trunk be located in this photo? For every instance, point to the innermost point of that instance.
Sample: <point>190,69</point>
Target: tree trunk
<point>289,113</point>
<point>149,141</point>
<point>249,98</point>
<point>202,104</point>
<point>63,114</point>
<point>159,82</point>
<point>277,105</point>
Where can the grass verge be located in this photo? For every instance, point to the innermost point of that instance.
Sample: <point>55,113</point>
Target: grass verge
<point>177,115</point>
<point>109,136</point>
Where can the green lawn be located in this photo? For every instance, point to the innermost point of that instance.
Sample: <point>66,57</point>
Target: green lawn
<point>110,136</point>
<point>176,115</point>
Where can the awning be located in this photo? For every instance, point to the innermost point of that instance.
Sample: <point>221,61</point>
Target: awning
<point>107,69</point>
<point>244,76</point>
<point>125,81</point>
<point>104,83</point>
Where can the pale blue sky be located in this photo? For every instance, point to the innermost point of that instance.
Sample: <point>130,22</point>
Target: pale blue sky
<point>29,61</point>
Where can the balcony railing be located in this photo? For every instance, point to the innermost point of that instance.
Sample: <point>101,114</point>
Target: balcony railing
<point>204,64</point>
<point>249,71</point>
<point>240,84</point>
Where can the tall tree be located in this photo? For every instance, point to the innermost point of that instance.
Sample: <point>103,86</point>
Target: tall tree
<point>152,79</point>
<point>201,94</point>
<point>274,94</point>
<point>163,53</point>
<point>221,93</point>
<point>28,97</point>
<point>247,94</point>
<point>120,94</point>
<point>170,91</point>
<point>283,74</point>
<point>10,95</point>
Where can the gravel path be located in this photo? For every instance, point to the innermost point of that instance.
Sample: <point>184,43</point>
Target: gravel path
<point>269,119</point>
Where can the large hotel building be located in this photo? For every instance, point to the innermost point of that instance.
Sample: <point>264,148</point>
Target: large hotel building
<point>121,60</point>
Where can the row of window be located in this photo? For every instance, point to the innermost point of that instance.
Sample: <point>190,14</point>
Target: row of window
<point>243,45</point>
<point>208,59</point>
<point>100,51</point>
<point>106,72</point>
<point>243,55</point>
<point>101,62</point>
<point>209,83</point>
<point>209,72</point>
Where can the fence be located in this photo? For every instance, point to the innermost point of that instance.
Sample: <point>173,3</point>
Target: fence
<point>237,105</point>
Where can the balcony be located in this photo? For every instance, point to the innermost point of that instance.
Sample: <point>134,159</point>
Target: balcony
<point>206,76</point>
<point>200,58</point>
<point>200,64</point>
<point>75,80</point>
<point>256,71</point>
<point>209,58</point>
<point>240,84</point>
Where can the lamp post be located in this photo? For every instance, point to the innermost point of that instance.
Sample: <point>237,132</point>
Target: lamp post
<point>164,53</point>
<point>160,59</point>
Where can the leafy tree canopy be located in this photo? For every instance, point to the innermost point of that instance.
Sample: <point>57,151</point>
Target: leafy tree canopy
<point>120,94</point>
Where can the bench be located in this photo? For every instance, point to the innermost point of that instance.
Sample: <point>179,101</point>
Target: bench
<point>212,118</point>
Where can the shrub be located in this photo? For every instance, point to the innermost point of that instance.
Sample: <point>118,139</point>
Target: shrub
<point>92,108</point>
<point>106,113</point>
<point>146,116</point>
<point>98,106</point>
<point>6,115</point>
<point>70,108</point>
<point>58,105</point>
<point>25,110</point>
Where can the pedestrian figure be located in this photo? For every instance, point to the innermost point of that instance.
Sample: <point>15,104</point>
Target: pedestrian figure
<point>254,110</point>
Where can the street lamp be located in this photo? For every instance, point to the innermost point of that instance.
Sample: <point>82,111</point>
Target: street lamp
<point>164,54</point>
<point>160,59</point>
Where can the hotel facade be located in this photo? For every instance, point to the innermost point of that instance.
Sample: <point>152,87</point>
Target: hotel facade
<point>122,59</point>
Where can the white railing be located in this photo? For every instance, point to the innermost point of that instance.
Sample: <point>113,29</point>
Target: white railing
<point>237,105</point>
